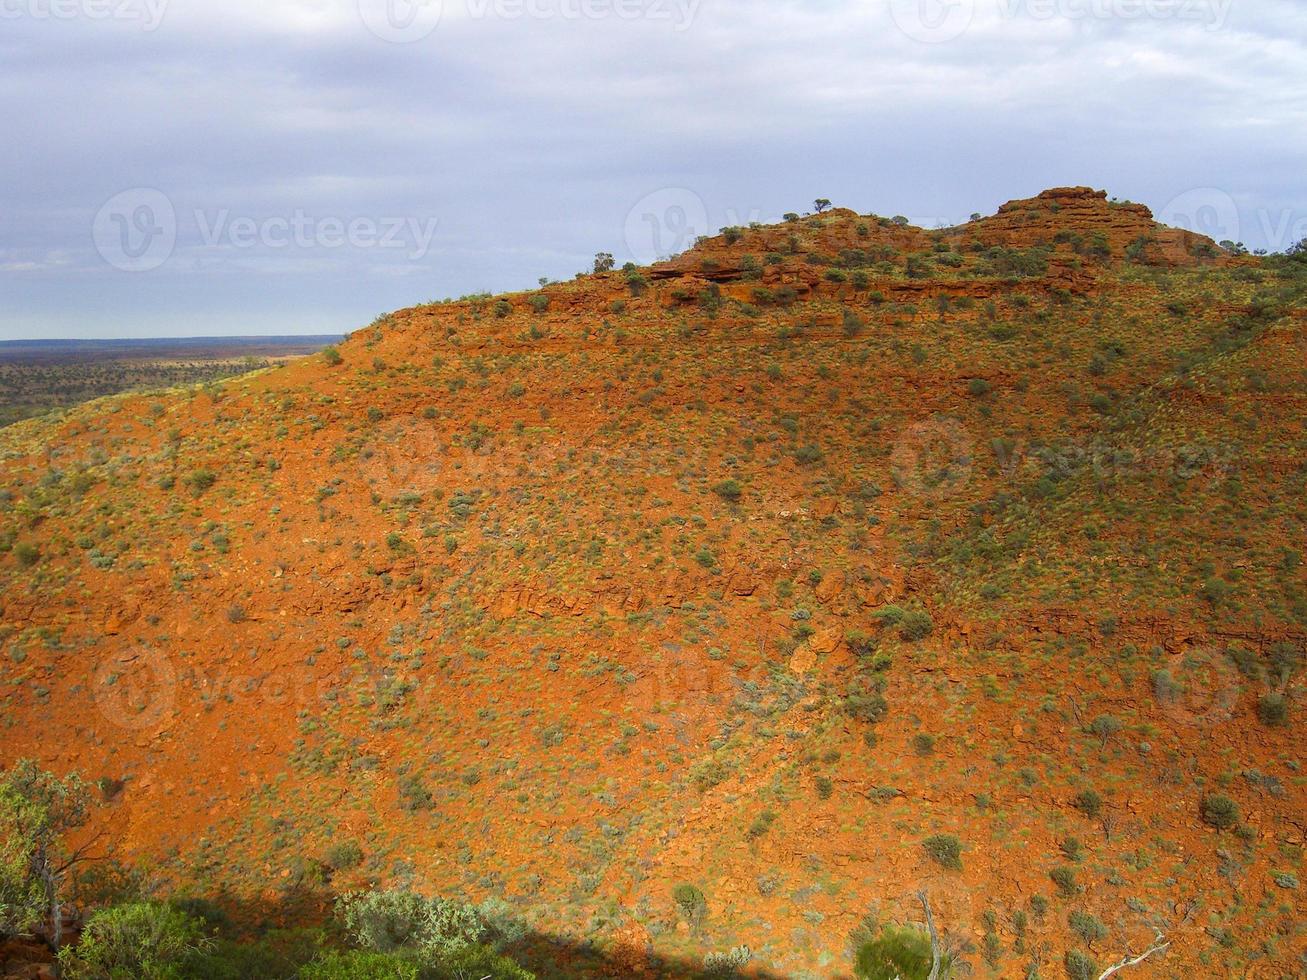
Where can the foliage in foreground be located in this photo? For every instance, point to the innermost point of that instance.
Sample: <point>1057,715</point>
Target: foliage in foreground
<point>898,952</point>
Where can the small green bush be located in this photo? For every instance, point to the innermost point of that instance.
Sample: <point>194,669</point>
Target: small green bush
<point>727,964</point>
<point>1089,802</point>
<point>729,490</point>
<point>916,625</point>
<point>902,953</point>
<point>359,965</point>
<point>1065,879</point>
<point>690,902</point>
<point>1105,726</point>
<point>146,940</point>
<point>1079,966</point>
<point>413,794</point>
<point>945,850</point>
<point>1273,710</point>
<point>201,480</point>
<point>1088,927</point>
<point>344,856</point>
<point>1219,811</point>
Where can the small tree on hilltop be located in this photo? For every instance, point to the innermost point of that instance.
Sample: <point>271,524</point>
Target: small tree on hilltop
<point>821,204</point>
<point>604,262</point>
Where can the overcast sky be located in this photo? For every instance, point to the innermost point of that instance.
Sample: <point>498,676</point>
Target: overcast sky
<point>190,167</point>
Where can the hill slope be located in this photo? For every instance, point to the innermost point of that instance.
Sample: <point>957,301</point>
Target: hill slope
<point>759,569</point>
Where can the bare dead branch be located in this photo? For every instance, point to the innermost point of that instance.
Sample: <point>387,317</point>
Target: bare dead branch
<point>1161,945</point>
<point>935,957</point>
<point>79,855</point>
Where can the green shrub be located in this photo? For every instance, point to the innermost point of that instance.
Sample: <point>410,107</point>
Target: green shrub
<point>1065,879</point>
<point>386,921</point>
<point>413,794</point>
<point>1286,659</point>
<point>280,953</point>
<point>861,644</point>
<point>635,281</point>
<point>761,824</point>
<point>1165,686</point>
<point>1273,709</point>
<point>1105,726</point>
<point>538,302</point>
<point>729,490</point>
<point>332,356</point>
<point>916,624</point>
<point>344,856</point>
<point>474,963</point>
<point>807,454</point>
<point>1079,966</point>
<point>945,850</point>
<point>1088,927</point>
<point>865,700</point>
<point>1089,802</point>
<point>1219,811</point>
<point>141,940</point>
<point>727,964</point>
<point>27,554</point>
<point>201,480</point>
<point>358,965</point>
<point>1073,849</point>
<point>902,953</point>
<point>690,902</point>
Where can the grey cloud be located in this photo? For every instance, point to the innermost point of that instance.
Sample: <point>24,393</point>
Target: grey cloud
<point>529,140</point>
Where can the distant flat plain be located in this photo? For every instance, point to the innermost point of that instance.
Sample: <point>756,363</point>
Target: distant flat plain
<point>39,376</point>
